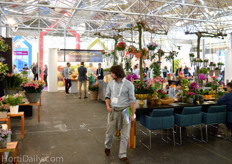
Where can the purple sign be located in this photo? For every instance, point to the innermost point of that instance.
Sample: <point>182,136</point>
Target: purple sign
<point>20,52</point>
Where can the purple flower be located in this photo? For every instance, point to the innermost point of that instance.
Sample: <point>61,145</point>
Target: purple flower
<point>201,77</point>
<point>193,85</point>
<point>128,77</point>
<point>135,77</point>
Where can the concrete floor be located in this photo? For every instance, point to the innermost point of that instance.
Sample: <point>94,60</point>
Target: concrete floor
<point>74,129</point>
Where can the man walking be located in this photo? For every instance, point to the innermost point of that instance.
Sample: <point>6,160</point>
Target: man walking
<point>119,96</point>
<point>36,71</point>
<point>65,73</point>
<point>82,78</point>
<point>45,73</point>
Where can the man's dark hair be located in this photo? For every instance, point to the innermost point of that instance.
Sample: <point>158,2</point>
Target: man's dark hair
<point>82,63</point>
<point>68,63</point>
<point>229,85</point>
<point>118,71</point>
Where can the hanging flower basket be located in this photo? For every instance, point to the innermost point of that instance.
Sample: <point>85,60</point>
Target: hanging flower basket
<point>151,53</point>
<point>121,46</point>
<point>219,66</point>
<point>152,46</point>
<point>205,64</point>
<point>198,64</point>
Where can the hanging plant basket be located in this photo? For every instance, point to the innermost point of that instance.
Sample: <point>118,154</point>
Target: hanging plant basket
<point>220,66</point>
<point>211,68</point>
<point>205,64</point>
<point>198,64</point>
<point>191,58</point>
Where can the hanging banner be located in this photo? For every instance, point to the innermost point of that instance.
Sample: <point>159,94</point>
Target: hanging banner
<point>68,55</point>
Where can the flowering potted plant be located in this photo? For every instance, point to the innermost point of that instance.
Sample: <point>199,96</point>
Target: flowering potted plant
<point>212,65</point>
<point>131,49</point>
<point>205,62</point>
<point>217,71</point>
<point>152,46</point>
<point>191,96</point>
<point>220,64</point>
<point>162,94</point>
<point>191,55</point>
<point>12,83</point>
<point>198,61</point>
<point>3,109</point>
<point>13,101</point>
<point>121,46</point>
<point>93,91</point>
<point>204,70</point>
<point>132,77</point>
<point>201,77</point>
<point>3,137</point>
<point>33,90</point>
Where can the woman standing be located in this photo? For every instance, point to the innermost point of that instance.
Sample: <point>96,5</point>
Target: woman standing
<point>45,72</point>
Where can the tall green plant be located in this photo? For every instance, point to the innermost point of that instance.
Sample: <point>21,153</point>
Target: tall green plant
<point>156,69</point>
<point>12,81</point>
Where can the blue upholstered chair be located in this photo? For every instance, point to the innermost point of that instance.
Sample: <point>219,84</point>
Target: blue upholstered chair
<point>190,116</point>
<point>215,115</point>
<point>159,119</point>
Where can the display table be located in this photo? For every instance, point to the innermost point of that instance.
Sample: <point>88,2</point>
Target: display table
<point>11,147</point>
<point>30,104</point>
<point>74,86</point>
<point>20,114</point>
<point>147,110</point>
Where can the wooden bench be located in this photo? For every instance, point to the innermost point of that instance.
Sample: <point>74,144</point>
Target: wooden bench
<point>20,114</point>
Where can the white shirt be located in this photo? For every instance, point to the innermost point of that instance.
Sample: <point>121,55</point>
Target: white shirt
<point>16,71</point>
<point>136,71</point>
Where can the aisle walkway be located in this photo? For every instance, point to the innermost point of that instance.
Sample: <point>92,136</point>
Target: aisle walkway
<point>74,129</point>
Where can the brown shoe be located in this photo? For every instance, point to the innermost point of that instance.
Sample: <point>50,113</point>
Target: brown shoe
<point>107,152</point>
<point>125,160</point>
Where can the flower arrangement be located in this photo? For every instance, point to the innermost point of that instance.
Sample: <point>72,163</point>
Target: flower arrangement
<point>3,107</point>
<point>194,87</point>
<point>143,88</point>
<point>157,81</point>
<point>191,55</point>
<point>32,86</point>
<point>130,77</point>
<point>162,94</point>
<point>212,64</point>
<point>3,68</point>
<point>204,70</point>
<point>131,49</point>
<point>152,46</point>
<point>198,60</point>
<point>201,77</point>
<point>121,46</point>
<point>3,46</point>
<point>220,63</point>
<point>191,94</point>
<point>93,87</point>
<point>12,81</point>
<point>4,134</point>
<point>13,100</point>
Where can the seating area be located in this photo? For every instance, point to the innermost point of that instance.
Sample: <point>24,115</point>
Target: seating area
<point>191,116</point>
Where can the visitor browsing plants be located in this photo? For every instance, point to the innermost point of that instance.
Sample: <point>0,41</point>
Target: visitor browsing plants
<point>93,87</point>
<point>32,86</point>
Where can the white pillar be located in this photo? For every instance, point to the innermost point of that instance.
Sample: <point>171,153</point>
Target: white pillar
<point>228,65</point>
<point>52,70</point>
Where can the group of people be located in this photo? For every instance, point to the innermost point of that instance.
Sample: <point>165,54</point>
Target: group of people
<point>83,75</point>
<point>35,70</point>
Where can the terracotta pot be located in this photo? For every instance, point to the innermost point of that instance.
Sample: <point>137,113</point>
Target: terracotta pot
<point>93,95</point>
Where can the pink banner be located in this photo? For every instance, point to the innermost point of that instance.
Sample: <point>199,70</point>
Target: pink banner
<point>20,52</point>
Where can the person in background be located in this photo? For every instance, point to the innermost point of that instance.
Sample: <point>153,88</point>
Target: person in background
<point>33,64</point>
<point>136,70</point>
<point>145,71</point>
<point>186,71</point>
<point>119,96</point>
<point>25,68</point>
<point>45,74</point>
<point>99,73</point>
<point>15,70</point>
<point>36,71</point>
<point>226,100</point>
<point>65,73</point>
<point>165,72</point>
<point>82,78</point>
<point>89,73</point>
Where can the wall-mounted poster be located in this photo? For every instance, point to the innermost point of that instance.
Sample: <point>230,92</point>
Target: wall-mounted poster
<point>69,55</point>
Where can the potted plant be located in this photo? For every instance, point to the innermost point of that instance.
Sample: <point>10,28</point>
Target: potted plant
<point>3,137</point>
<point>13,101</point>
<point>24,73</point>
<point>171,56</point>
<point>93,92</point>
<point>212,65</point>
<point>33,90</point>
<point>3,109</point>
<point>151,48</point>
<point>217,71</point>
<point>191,96</point>
<point>191,55</point>
<point>205,62</point>
<point>131,50</point>
<point>220,64</point>
<point>204,70</point>
<point>198,61</point>
<point>12,83</point>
